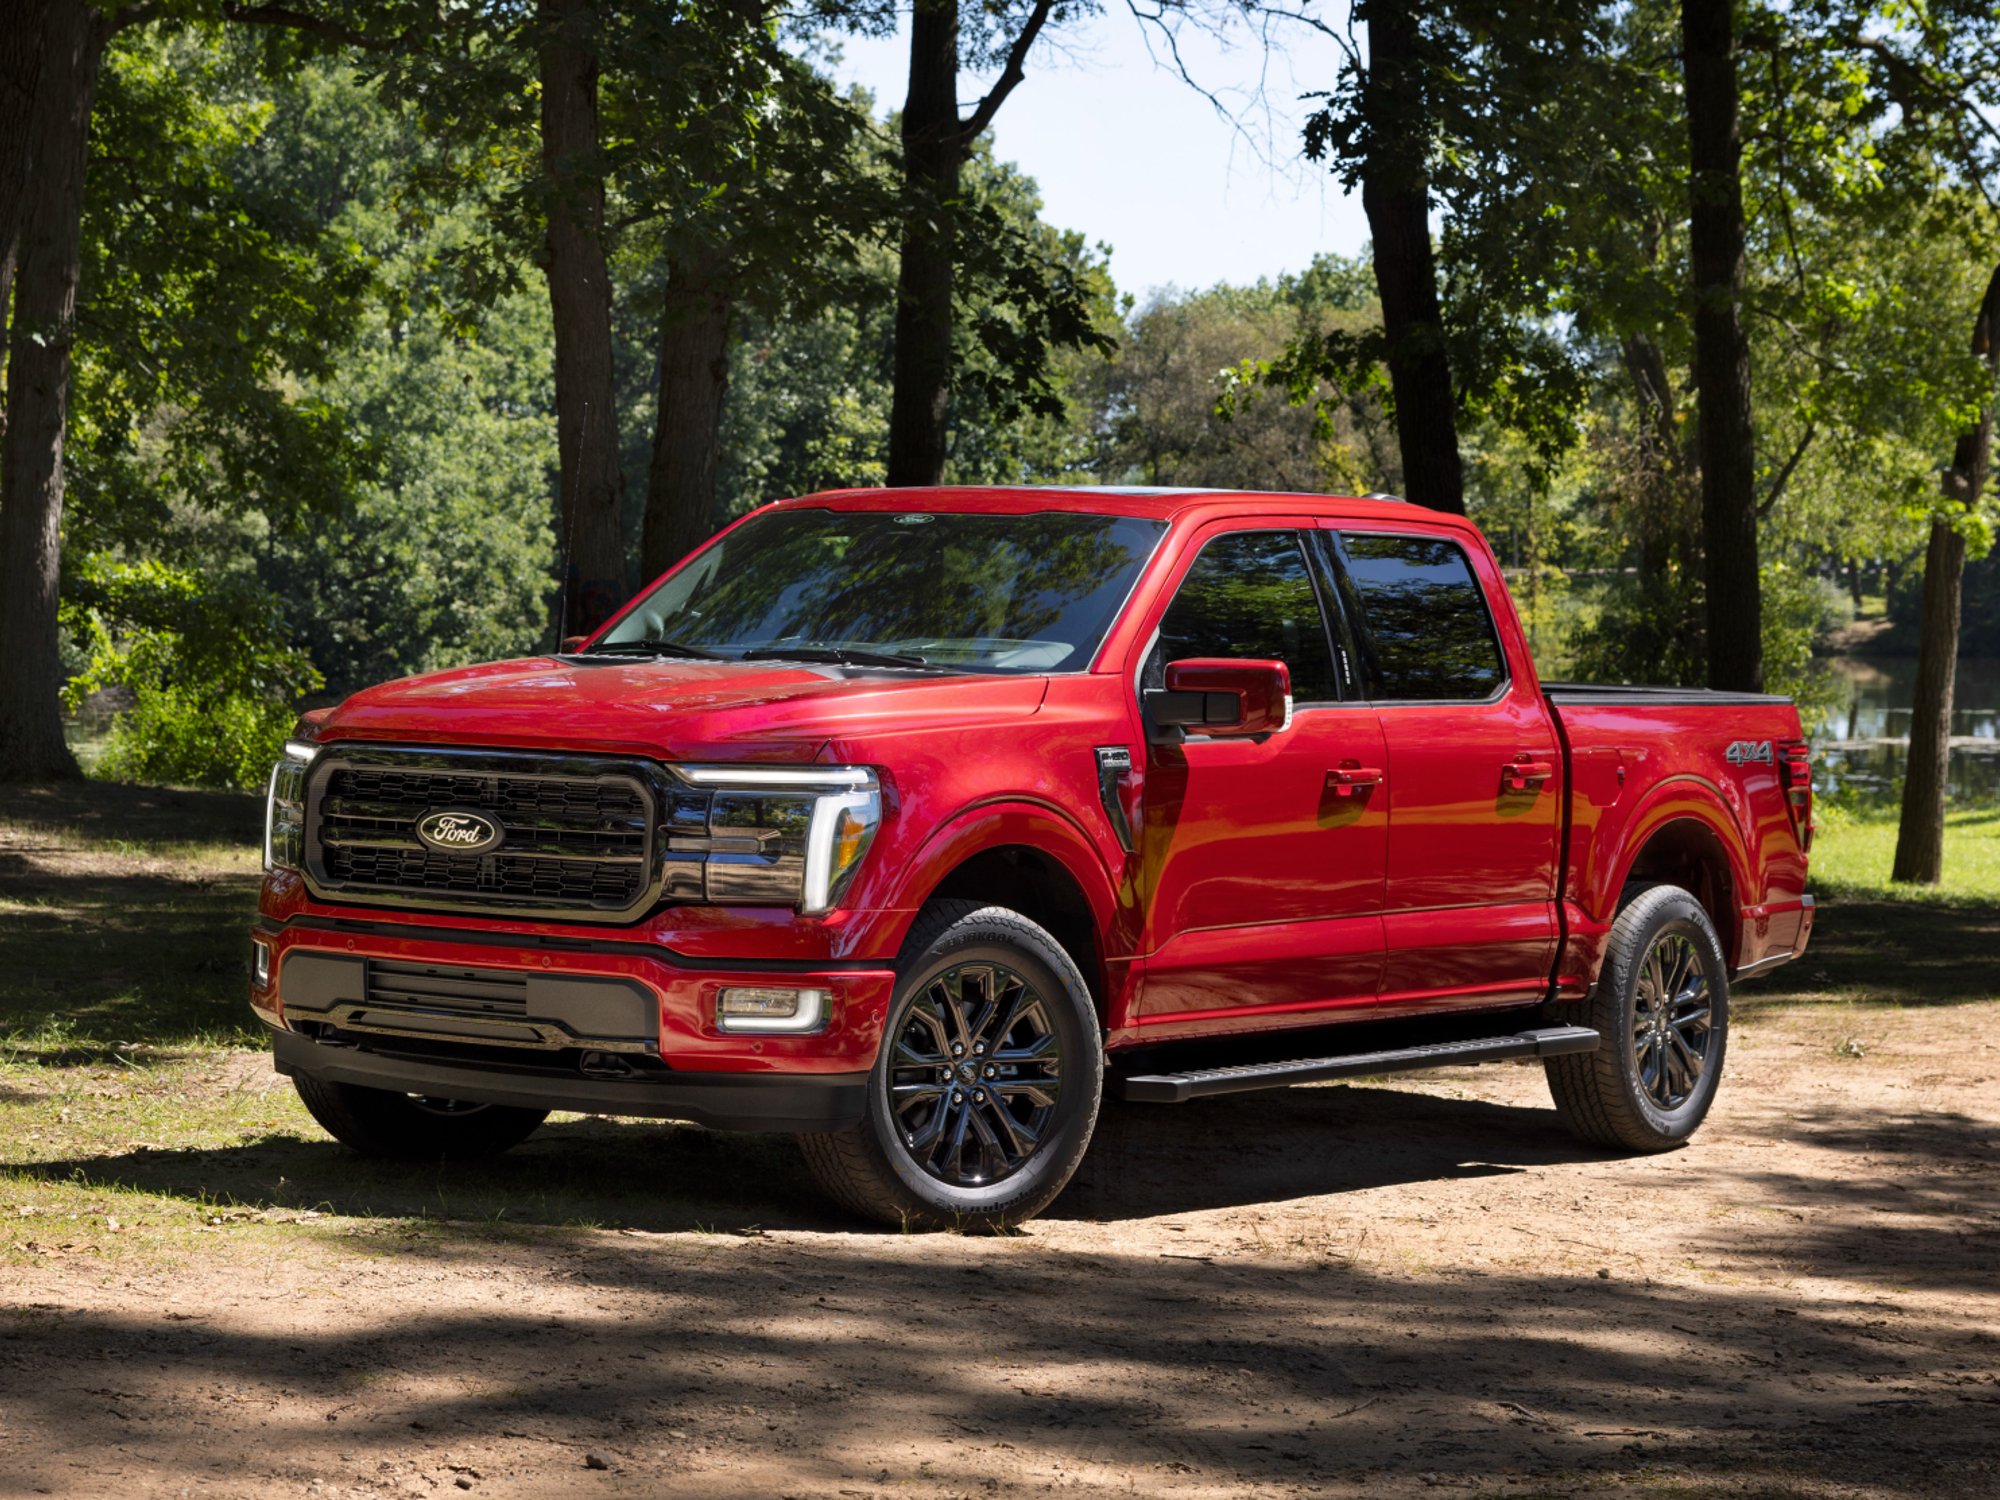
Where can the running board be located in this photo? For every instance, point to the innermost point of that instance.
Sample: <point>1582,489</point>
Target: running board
<point>1178,1088</point>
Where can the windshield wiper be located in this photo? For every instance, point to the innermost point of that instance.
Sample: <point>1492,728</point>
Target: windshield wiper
<point>656,648</point>
<point>840,655</point>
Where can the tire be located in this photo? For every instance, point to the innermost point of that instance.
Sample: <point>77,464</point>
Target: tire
<point>400,1127</point>
<point>977,977</point>
<point>1650,1083</point>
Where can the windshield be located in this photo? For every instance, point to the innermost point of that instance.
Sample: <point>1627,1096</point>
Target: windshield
<point>987,593</point>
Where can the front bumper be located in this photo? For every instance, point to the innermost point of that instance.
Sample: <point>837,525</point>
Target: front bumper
<point>543,1021</point>
<point>721,1101</point>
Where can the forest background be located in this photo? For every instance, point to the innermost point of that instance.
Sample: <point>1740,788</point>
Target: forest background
<point>317,426</point>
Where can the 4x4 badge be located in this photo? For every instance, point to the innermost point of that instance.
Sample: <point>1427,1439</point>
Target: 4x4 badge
<point>451,831</point>
<point>1743,750</point>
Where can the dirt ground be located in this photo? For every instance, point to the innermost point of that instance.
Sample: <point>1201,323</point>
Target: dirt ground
<point>1408,1286</point>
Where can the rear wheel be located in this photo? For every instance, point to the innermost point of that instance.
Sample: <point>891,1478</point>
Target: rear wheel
<point>1662,1008</point>
<point>409,1127</point>
<point>985,1092</point>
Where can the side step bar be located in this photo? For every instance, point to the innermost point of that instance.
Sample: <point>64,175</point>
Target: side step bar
<point>1178,1088</point>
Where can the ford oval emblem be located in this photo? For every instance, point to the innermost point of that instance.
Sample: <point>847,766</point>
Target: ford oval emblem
<point>455,831</point>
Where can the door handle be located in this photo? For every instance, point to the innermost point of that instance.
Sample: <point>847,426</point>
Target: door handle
<point>1350,779</point>
<point>1517,777</point>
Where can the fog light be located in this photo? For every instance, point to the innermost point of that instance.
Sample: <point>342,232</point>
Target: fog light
<point>260,962</point>
<point>770,1010</point>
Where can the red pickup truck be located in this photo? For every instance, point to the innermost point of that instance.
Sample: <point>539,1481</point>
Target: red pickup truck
<point>911,821</point>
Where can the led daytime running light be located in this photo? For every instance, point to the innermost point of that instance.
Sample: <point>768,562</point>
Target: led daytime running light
<point>803,777</point>
<point>822,872</point>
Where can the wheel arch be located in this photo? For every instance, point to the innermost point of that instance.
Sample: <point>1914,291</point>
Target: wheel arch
<point>1031,860</point>
<point>1688,850</point>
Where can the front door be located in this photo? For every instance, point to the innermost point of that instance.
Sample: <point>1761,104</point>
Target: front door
<point>1261,862</point>
<point>1474,772</point>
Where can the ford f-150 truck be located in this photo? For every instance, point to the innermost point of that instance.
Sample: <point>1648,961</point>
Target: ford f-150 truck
<point>913,821</point>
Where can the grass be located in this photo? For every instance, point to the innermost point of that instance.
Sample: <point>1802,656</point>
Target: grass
<point>1853,852</point>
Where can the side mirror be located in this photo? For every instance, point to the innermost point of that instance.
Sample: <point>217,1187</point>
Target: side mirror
<point>571,644</point>
<point>1224,696</point>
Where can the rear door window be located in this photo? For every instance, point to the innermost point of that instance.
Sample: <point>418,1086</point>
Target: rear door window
<point>1421,626</point>
<point>1251,595</point>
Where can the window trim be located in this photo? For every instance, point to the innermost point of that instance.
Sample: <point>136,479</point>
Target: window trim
<point>1336,550</point>
<point>1185,564</point>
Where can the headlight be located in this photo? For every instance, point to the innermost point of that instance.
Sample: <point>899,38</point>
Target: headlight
<point>285,808</point>
<point>792,834</point>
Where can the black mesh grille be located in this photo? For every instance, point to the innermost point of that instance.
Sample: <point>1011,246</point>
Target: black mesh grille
<point>420,790</point>
<point>568,841</point>
<point>472,992</point>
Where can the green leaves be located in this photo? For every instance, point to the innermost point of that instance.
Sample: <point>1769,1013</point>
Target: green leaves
<point>211,298</point>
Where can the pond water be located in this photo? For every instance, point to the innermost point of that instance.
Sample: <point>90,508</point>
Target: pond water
<point>1862,746</point>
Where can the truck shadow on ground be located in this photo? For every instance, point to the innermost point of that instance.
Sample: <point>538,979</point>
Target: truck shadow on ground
<point>1266,1150</point>
<point>1145,1161</point>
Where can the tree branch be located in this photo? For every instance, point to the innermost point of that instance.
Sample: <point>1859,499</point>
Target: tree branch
<point>137,15</point>
<point>1785,474</point>
<point>1012,74</point>
<point>298,20</point>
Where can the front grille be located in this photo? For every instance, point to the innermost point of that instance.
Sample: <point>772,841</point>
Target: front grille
<point>576,837</point>
<point>464,992</point>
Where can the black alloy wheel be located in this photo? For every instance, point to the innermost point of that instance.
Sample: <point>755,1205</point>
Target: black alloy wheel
<point>1673,1020</point>
<point>985,1090</point>
<point>1661,1005</point>
<point>975,1075</point>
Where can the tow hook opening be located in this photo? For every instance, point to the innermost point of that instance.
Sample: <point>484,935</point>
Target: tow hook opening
<point>604,1065</point>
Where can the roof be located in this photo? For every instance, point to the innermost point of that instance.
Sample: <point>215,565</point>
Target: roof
<point>1118,500</point>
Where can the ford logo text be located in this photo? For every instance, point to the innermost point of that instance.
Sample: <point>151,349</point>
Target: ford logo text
<point>455,832</point>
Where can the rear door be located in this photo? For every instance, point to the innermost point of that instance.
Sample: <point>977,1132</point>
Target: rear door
<point>1474,772</point>
<point>1261,863</point>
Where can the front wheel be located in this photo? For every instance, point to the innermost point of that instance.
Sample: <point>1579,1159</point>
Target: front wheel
<point>408,1127</point>
<point>986,1089</point>
<point>1662,1007</point>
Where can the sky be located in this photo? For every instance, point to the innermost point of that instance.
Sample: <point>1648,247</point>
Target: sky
<point>1126,152</point>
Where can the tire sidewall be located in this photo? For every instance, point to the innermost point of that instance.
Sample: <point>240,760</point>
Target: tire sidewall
<point>977,939</point>
<point>1658,915</point>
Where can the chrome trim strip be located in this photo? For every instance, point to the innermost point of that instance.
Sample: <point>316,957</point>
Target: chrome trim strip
<point>550,1036</point>
<point>1775,958</point>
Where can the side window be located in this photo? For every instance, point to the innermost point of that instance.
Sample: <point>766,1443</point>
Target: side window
<point>1420,621</point>
<point>1251,595</point>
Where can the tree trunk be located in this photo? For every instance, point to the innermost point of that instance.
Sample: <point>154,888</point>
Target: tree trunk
<point>1659,457</point>
<point>590,510</point>
<point>933,148</point>
<point>38,368</point>
<point>687,440</point>
<point>1395,194</point>
<point>21,42</point>
<point>1721,350</point>
<point>1920,832</point>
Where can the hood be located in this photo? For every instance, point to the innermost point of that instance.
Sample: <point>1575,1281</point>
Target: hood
<point>675,710</point>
